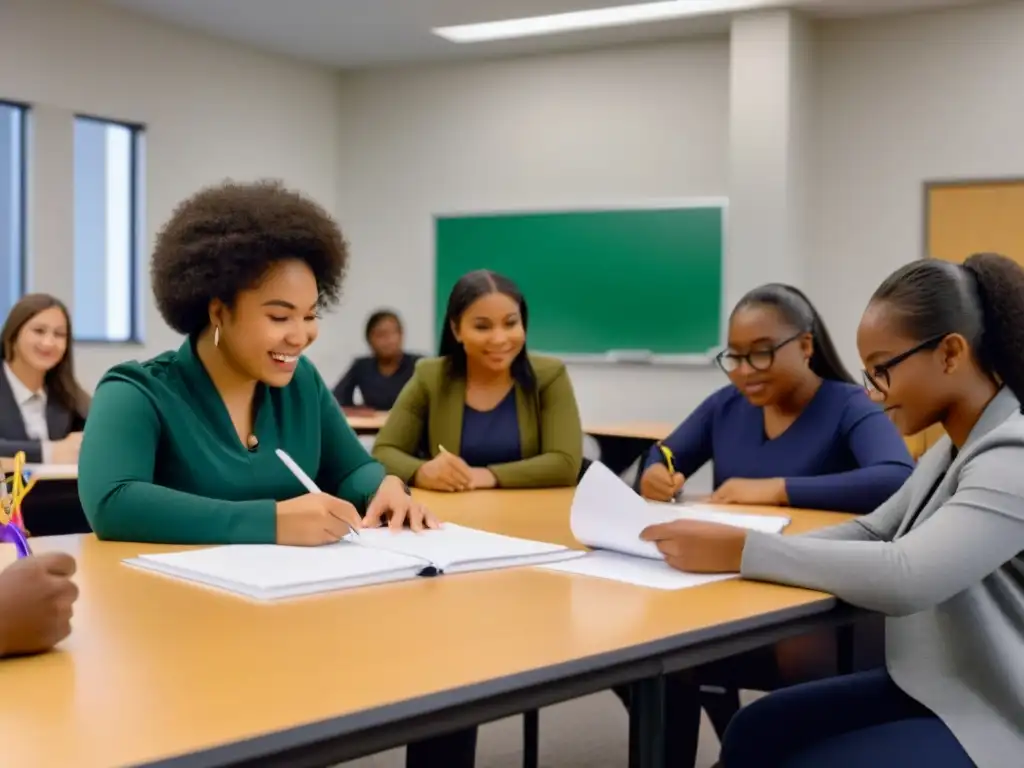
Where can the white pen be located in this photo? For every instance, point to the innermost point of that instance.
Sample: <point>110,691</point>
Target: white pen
<point>305,479</point>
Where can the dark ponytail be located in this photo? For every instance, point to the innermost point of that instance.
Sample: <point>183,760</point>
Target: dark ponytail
<point>982,300</point>
<point>797,310</point>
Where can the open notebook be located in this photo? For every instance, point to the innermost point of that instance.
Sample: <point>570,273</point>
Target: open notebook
<point>376,556</point>
<point>608,516</point>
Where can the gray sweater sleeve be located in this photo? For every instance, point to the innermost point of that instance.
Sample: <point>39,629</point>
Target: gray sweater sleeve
<point>977,530</point>
<point>880,525</point>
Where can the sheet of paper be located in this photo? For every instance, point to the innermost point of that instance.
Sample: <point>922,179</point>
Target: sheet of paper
<point>608,514</point>
<point>656,574</point>
<point>696,511</point>
<point>453,544</point>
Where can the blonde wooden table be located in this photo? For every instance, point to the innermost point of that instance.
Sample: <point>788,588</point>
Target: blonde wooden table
<point>623,443</point>
<point>160,672</point>
<point>367,423</point>
<point>638,430</point>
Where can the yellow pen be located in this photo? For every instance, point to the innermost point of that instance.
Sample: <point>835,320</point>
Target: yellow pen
<point>669,458</point>
<point>669,461</point>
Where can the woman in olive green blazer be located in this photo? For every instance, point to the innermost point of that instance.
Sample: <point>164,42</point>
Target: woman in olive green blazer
<point>485,414</point>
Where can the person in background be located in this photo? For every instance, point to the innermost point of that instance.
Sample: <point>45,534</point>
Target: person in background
<point>791,428</point>
<point>942,559</point>
<point>42,406</point>
<point>485,413</point>
<point>381,376</point>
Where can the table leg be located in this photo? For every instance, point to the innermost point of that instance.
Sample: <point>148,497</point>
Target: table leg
<point>647,724</point>
<point>531,738</point>
<point>846,657</point>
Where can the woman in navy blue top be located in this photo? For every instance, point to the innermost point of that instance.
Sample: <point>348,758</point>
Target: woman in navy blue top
<point>793,429</point>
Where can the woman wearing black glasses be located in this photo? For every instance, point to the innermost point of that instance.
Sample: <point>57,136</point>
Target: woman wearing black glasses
<point>942,560</point>
<point>792,428</point>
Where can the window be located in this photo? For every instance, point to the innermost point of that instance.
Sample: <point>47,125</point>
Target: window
<point>107,216</point>
<point>13,119</point>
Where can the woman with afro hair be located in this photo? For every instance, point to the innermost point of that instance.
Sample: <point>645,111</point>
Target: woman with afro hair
<point>180,449</point>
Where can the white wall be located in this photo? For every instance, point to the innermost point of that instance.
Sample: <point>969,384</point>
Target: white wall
<point>615,125</point>
<point>905,100</point>
<point>895,101</point>
<point>214,110</point>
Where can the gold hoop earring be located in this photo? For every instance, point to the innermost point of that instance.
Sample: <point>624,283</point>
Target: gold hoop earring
<point>216,336</point>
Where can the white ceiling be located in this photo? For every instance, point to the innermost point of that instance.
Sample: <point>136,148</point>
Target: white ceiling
<point>364,33</point>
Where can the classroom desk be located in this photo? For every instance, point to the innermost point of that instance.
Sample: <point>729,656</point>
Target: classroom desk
<point>53,507</point>
<point>623,443</point>
<point>161,673</point>
<point>367,423</point>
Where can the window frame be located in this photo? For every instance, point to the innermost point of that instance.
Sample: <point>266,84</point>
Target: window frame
<point>23,110</point>
<point>137,133</point>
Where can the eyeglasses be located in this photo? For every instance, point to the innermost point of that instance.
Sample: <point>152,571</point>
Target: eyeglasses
<point>878,380</point>
<point>759,359</point>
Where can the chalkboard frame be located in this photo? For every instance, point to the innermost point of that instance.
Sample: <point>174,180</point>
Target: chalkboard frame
<point>634,357</point>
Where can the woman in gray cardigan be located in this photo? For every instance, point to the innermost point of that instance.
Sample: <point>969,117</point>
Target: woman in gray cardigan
<point>943,559</point>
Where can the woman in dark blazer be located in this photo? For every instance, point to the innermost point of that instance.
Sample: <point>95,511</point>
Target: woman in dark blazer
<point>378,377</point>
<point>42,406</point>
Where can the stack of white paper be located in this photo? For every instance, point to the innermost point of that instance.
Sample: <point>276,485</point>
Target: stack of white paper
<point>608,516</point>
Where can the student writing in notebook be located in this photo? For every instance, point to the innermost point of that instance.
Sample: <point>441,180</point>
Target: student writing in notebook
<point>942,559</point>
<point>181,448</point>
<point>485,413</point>
<point>380,376</point>
<point>790,428</point>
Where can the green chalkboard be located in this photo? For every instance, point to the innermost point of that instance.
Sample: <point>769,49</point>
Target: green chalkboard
<point>599,281</point>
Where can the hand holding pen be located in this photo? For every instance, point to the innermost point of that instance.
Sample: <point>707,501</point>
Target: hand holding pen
<point>445,472</point>
<point>315,518</point>
<point>661,481</point>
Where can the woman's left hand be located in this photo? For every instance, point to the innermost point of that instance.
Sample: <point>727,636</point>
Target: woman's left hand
<point>481,478</point>
<point>394,504</point>
<point>741,490</point>
<point>698,547</point>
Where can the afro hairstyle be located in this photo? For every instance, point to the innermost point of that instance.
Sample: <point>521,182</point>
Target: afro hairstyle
<point>224,239</point>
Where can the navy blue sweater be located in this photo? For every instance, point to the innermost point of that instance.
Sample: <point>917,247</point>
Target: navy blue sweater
<point>842,453</point>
